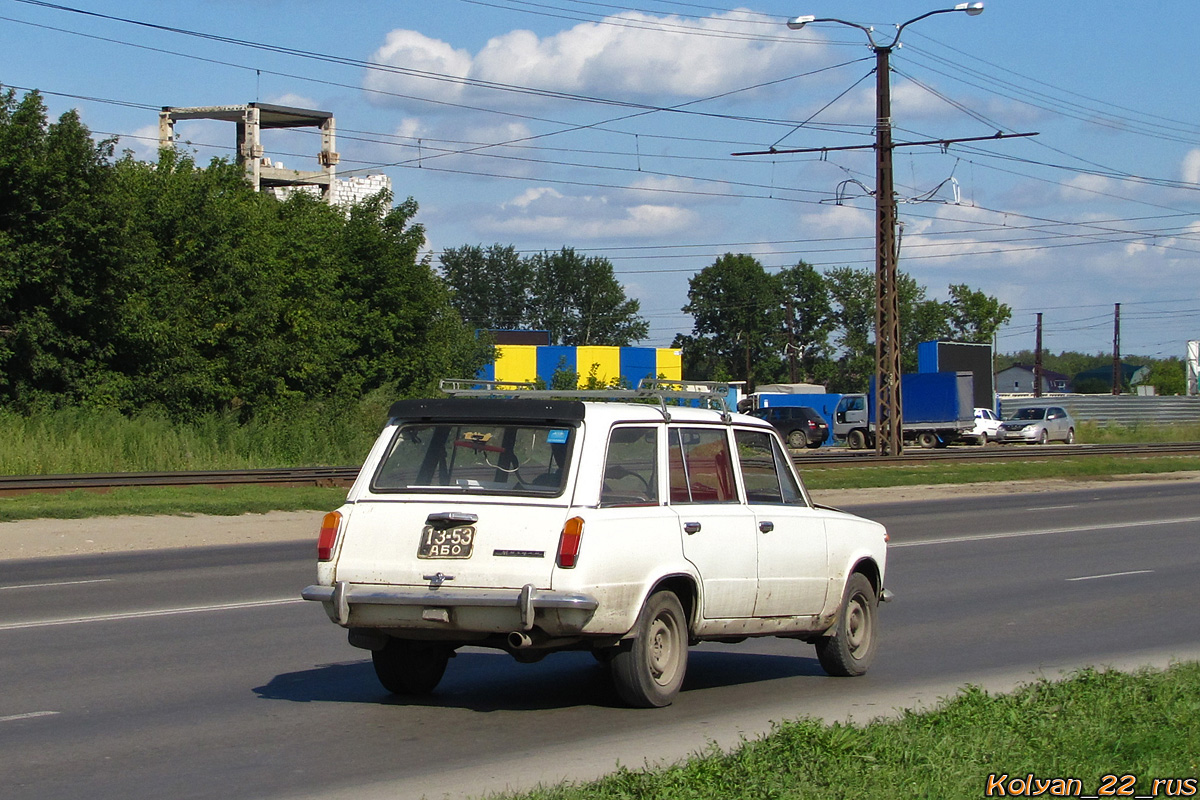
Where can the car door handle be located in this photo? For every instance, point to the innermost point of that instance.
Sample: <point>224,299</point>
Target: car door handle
<point>766,526</point>
<point>691,527</point>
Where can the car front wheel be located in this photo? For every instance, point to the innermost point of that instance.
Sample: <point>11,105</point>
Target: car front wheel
<point>1043,437</point>
<point>648,671</point>
<point>408,667</point>
<point>848,652</point>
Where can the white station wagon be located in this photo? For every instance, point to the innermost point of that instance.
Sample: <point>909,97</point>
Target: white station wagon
<point>542,521</point>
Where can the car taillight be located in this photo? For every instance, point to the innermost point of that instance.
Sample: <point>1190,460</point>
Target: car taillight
<point>568,542</point>
<point>328,535</point>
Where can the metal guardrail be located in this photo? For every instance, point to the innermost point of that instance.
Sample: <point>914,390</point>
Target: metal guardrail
<point>1122,409</point>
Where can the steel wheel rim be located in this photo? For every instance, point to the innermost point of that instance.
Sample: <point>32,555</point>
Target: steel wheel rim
<point>663,650</point>
<point>858,627</point>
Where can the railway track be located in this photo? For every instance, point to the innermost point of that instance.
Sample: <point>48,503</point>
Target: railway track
<point>344,476</point>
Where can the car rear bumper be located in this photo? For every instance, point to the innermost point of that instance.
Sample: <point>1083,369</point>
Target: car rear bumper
<point>467,610</point>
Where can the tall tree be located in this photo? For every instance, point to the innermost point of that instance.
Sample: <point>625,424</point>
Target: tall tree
<point>56,256</point>
<point>853,294</point>
<point>580,301</point>
<point>738,320</point>
<point>490,286</point>
<point>975,316</point>
<point>807,320</point>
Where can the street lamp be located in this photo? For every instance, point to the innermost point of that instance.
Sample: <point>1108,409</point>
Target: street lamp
<point>888,414</point>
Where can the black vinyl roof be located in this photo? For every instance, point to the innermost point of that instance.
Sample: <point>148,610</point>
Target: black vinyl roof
<point>490,408</point>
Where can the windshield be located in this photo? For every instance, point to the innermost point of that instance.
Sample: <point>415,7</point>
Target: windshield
<point>1029,413</point>
<point>476,457</point>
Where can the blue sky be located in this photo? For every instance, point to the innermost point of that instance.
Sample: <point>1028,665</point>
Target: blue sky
<point>609,127</point>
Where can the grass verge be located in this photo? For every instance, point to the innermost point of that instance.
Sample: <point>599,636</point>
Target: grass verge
<point>1091,725</point>
<point>176,500</point>
<point>1085,468</point>
<point>232,500</point>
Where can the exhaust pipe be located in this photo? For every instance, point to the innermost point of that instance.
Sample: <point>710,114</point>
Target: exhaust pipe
<point>519,640</point>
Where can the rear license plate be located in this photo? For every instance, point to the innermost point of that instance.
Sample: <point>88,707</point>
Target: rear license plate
<point>446,542</point>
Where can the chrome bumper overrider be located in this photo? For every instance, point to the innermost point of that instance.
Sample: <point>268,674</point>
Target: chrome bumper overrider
<point>527,600</point>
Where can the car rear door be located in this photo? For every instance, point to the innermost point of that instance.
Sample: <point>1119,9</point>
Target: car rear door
<point>717,531</point>
<point>791,536</point>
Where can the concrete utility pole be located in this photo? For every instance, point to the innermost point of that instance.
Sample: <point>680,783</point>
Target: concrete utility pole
<point>889,415</point>
<point>1117,376</point>
<point>1037,359</point>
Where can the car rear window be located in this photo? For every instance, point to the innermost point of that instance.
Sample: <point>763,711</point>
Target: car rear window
<point>700,467</point>
<point>476,457</point>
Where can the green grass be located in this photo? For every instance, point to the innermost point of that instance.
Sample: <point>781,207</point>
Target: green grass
<point>1093,724</point>
<point>1094,433</point>
<point>1083,468</point>
<point>178,500</point>
<point>76,441</point>
<point>80,441</point>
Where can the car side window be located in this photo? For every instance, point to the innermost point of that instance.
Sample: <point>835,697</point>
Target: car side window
<point>630,468</point>
<point>764,473</point>
<point>699,466</point>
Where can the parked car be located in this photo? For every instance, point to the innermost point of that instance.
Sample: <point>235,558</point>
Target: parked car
<point>532,524</point>
<point>800,426</point>
<point>987,423</point>
<point>1037,426</point>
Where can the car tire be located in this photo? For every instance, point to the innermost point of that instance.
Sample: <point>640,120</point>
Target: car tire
<point>856,440</point>
<point>796,439</point>
<point>927,440</point>
<point>1043,437</point>
<point>1070,436</point>
<point>648,670</point>
<point>983,439</point>
<point>409,667</point>
<point>815,445</point>
<point>849,651</point>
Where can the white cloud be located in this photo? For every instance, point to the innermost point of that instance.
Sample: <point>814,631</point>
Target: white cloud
<point>1085,188</point>
<point>547,213</point>
<point>530,196</point>
<point>143,142</point>
<point>632,55</point>
<point>1191,166</point>
<point>295,101</point>
<point>417,54</point>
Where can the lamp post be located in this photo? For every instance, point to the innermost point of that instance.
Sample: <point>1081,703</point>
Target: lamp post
<point>888,408</point>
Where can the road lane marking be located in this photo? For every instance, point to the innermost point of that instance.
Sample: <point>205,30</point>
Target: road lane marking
<point>160,612</point>
<point>56,583</point>
<point>29,715</point>
<point>1112,575</point>
<point>1111,526</point>
<point>1051,508</point>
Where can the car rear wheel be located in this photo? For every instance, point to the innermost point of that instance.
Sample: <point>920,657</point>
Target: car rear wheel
<point>1070,436</point>
<point>927,440</point>
<point>848,652</point>
<point>648,671</point>
<point>797,439</point>
<point>409,667</point>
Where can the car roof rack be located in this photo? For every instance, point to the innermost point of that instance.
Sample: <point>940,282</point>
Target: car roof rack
<point>705,394</point>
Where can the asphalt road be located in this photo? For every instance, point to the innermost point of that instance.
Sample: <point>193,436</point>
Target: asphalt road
<point>199,674</point>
